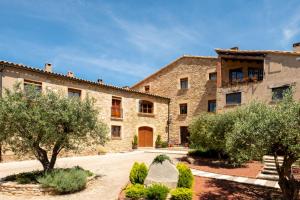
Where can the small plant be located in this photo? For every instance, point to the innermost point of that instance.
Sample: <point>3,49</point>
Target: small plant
<point>157,192</point>
<point>164,144</point>
<point>158,142</point>
<point>135,192</point>
<point>135,142</point>
<point>65,180</point>
<point>186,178</point>
<point>181,194</point>
<point>138,173</point>
<point>161,158</point>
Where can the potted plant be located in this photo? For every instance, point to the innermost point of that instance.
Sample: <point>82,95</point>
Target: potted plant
<point>135,142</point>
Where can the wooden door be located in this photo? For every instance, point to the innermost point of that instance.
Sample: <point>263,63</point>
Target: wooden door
<point>145,137</point>
<point>184,135</point>
<point>116,108</point>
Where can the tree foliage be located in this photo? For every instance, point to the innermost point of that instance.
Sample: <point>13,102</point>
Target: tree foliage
<point>46,123</point>
<point>254,130</point>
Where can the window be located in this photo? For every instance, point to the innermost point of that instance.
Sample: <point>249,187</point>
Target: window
<point>147,88</point>
<point>116,107</point>
<point>37,86</point>
<point>213,76</point>
<point>236,75</point>
<point>256,74</point>
<point>234,98</point>
<point>184,83</point>
<point>183,108</point>
<point>74,93</point>
<point>278,92</point>
<point>145,106</point>
<point>115,131</point>
<point>211,106</point>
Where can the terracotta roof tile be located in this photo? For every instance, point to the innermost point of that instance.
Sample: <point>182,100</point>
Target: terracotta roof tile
<point>35,69</point>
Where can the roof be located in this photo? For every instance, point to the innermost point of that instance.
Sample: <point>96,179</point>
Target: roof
<point>170,65</point>
<point>256,52</point>
<point>58,75</point>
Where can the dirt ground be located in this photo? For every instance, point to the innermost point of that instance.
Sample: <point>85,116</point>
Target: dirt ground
<point>250,169</point>
<point>214,189</point>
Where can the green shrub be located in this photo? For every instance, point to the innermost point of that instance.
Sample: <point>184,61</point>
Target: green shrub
<point>210,153</point>
<point>161,158</point>
<point>136,191</point>
<point>158,142</point>
<point>138,173</point>
<point>65,180</point>
<point>164,144</point>
<point>157,192</point>
<point>25,177</point>
<point>186,178</point>
<point>181,194</point>
<point>135,142</point>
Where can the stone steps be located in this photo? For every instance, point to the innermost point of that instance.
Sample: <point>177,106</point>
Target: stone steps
<point>269,171</point>
<point>270,177</point>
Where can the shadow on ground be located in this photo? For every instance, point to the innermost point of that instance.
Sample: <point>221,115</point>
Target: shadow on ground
<point>213,189</point>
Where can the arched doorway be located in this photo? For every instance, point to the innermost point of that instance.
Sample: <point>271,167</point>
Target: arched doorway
<point>145,136</point>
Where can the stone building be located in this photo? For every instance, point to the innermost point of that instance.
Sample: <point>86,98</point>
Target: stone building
<point>198,84</point>
<point>127,112</point>
<point>166,102</point>
<point>190,83</point>
<point>263,75</point>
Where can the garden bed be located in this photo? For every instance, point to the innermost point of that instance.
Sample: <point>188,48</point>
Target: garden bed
<point>214,189</point>
<point>60,181</point>
<point>250,169</point>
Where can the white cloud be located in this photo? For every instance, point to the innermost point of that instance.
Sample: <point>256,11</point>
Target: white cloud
<point>292,28</point>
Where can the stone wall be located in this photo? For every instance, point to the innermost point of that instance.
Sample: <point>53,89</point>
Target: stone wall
<point>166,82</point>
<point>279,70</point>
<point>103,95</point>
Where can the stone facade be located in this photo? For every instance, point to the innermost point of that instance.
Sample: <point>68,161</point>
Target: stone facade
<point>279,69</point>
<point>131,119</point>
<point>166,82</point>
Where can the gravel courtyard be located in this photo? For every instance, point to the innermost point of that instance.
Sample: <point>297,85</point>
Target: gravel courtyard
<point>114,169</point>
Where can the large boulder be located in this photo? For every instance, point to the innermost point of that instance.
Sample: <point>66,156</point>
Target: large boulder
<point>164,173</point>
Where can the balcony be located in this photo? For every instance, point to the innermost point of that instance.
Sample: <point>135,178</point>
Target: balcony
<point>116,113</point>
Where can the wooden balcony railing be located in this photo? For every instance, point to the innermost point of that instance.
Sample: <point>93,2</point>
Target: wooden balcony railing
<point>117,112</point>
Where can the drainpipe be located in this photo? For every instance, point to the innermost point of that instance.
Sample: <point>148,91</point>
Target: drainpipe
<point>168,123</point>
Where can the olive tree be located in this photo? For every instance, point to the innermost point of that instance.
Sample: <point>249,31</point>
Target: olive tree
<point>270,129</point>
<point>45,123</point>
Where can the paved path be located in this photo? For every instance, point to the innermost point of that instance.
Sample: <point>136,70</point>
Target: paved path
<point>252,181</point>
<point>114,169</point>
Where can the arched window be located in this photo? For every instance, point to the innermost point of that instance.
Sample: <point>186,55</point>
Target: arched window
<point>145,106</point>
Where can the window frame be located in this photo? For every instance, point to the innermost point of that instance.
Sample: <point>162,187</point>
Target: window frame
<point>234,102</point>
<point>36,84</point>
<point>233,75</point>
<point>284,89</point>
<point>117,108</point>
<point>183,107</point>
<point>147,106</point>
<point>211,75</point>
<point>184,83</point>
<point>74,91</point>
<point>147,88</point>
<point>209,102</point>
<point>255,72</point>
<point>112,131</point>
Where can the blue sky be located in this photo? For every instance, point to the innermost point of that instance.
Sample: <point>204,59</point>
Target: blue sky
<point>123,41</point>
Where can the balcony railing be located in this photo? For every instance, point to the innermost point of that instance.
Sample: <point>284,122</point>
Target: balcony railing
<point>242,81</point>
<point>117,112</point>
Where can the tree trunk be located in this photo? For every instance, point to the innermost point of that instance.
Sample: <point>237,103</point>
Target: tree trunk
<point>0,152</point>
<point>288,185</point>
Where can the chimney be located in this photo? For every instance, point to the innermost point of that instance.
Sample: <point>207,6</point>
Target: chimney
<point>48,67</point>
<point>234,48</point>
<point>70,74</point>
<point>296,47</point>
<point>100,81</point>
